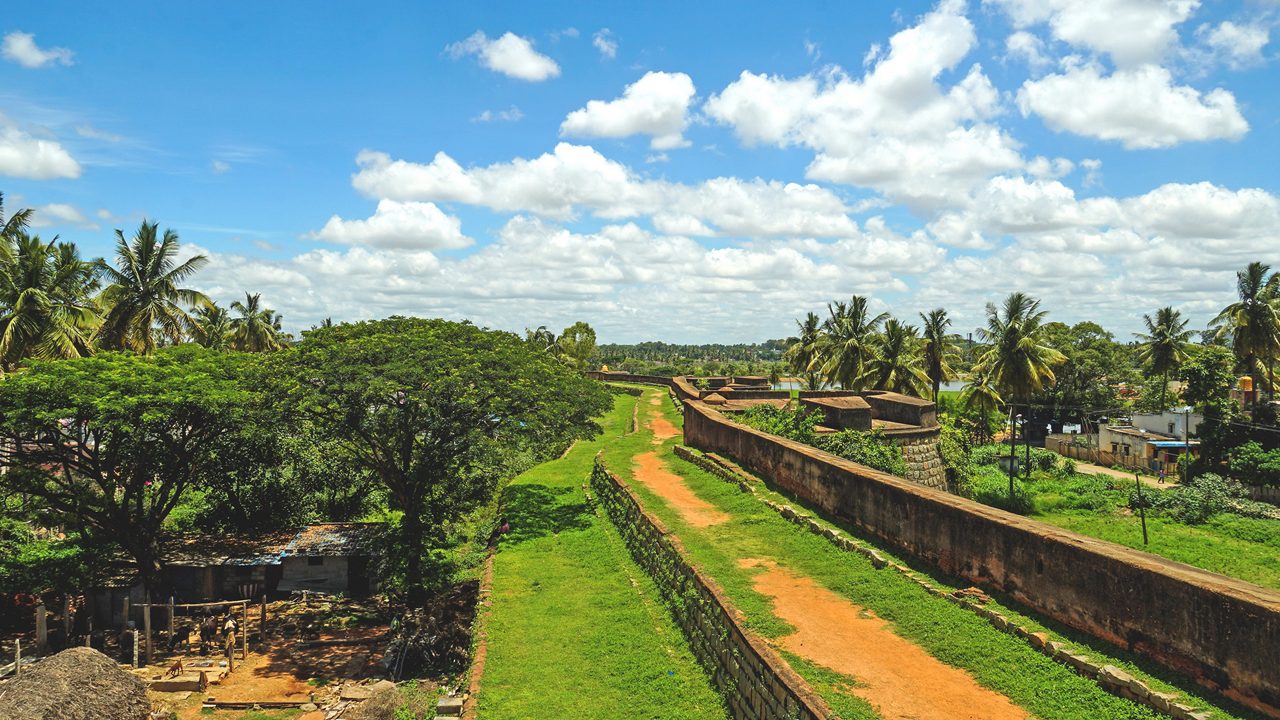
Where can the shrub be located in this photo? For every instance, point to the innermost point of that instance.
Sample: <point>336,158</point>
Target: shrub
<point>868,448</point>
<point>992,488</point>
<point>1205,496</point>
<point>790,424</point>
<point>1252,465</point>
<point>957,452</point>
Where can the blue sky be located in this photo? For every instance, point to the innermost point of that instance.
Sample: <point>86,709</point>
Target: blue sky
<point>689,172</point>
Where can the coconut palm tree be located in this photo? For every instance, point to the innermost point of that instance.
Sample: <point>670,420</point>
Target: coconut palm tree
<point>1164,344</point>
<point>802,351</point>
<point>896,366</point>
<point>9,228</point>
<point>846,343</point>
<point>1017,362</point>
<point>1251,325</point>
<point>143,291</point>
<point>939,353</point>
<point>212,327</point>
<point>46,305</point>
<point>982,396</point>
<point>257,329</point>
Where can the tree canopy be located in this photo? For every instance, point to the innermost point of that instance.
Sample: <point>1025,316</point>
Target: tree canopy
<point>435,409</point>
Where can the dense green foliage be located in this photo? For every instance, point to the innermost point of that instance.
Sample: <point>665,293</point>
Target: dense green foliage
<point>111,443</point>
<point>1252,465</point>
<point>439,412</point>
<point>868,448</point>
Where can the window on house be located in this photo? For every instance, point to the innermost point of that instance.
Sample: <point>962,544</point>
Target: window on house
<point>315,561</point>
<point>1170,428</point>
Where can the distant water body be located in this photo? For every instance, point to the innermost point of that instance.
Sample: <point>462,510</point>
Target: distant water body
<point>955,385</point>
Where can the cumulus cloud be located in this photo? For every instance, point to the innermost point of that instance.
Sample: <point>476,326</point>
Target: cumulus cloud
<point>405,225</point>
<point>1140,107</point>
<point>605,43</point>
<point>656,105</point>
<point>33,158</point>
<point>896,129</point>
<point>1130,32</point>
<point>1235,45</point>
<point>509,54</point>
<point>61,215</point>
<point>1029,48</point>
<point>21,48</point>
<point>574,178</point>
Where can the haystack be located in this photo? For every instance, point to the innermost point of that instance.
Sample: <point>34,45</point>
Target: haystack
<point>76,684</point>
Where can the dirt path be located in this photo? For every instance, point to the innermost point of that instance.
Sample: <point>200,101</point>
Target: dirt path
<point>1091,469</point>
<point>650,472</point>
<point>662,429</point>
<point>899,678</point>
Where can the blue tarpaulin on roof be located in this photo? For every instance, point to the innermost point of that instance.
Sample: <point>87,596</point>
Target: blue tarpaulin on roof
<point>1173,443</point>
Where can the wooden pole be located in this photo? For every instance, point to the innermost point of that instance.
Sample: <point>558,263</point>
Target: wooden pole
<point>135,648</point>
<point>124,622</point>
<point>146,628</point>
<point>171,620</point>
<point>17,656</point>
<point>262,623</point>
<point>244,631</point>
<point>66,619</point>
<point>42,628</point>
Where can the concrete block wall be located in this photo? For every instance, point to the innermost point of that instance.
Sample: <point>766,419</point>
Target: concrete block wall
<point>755,682</point>
<point>923,453</point>
<point>1221,631</point>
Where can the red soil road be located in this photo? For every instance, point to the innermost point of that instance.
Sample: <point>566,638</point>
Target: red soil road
<point>899,678</point>
<point>662,429</point>
<point>653,474</point>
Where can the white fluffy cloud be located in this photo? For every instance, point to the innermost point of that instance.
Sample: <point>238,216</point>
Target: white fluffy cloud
<point>605,43</point>
<point>405,225</point>
<point>1236,45</point>
<point>896,129</point>
<point>1141,107</point>
<point>510,55</point>
<point>21,48</point>
<point>574,177</point>
<point>1131,32</point>
<point>61,215</point>
<point>33,158</point>
<point>656,105</point>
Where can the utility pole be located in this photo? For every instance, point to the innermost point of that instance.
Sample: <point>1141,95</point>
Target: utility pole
<point>1186,445</point>
<point>1142,505</point>
<point>1013,451</point>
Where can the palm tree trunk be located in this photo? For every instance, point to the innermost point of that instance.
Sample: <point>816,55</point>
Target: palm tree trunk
<point>1164,385</point>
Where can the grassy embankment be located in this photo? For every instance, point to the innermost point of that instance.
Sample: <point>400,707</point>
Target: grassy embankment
<point>575,628</point>
<point>955,635</point>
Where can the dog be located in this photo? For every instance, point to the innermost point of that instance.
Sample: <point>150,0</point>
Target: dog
<point>175,669</point>
<point>181,637</point>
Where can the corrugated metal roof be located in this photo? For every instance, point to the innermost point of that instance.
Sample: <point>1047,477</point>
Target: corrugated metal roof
<point>333,539</point>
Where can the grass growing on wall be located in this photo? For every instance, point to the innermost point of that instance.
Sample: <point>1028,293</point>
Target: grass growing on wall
<point>957,636</point>
<point>576,629</point>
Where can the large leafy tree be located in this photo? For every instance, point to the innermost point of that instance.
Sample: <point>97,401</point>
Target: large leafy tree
<point>257,328</point>
<point>143,295</point>
<point>939,352</point>
<point>432,408</point>
<point>847,342</point>
<point>1018,362</point>
<point>1251,324</point>
<point>577,344</point>
<point>1093,369</point>
<point>46,305</point>
<point>801,355</point>
<point>896,366</point>
<point>114,441</point>
<point>1164,345</point>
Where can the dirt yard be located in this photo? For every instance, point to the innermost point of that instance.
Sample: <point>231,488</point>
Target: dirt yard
<point>899,678</point>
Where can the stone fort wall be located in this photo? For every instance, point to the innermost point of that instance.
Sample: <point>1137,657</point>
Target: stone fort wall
<point>1221,631</point>
<point>755,682</point>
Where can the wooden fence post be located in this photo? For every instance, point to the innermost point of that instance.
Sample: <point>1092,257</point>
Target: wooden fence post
<point>171,621</point>
<point>17,656</point>
<point>124,622</point>
<point>262,624</point>
<point>146,627</point>
<point>244,631</point>
<point>135,648</point>
<point>66,619</point>
<point>42,628</point>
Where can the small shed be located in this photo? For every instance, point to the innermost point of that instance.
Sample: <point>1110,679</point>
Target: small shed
<point>329,557</point>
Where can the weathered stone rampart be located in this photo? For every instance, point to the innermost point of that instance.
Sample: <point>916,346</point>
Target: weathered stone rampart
<point>755,682</point>
<point>1222,631</point>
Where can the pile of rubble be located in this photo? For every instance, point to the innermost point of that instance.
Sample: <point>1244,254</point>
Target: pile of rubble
<point>76,684</point>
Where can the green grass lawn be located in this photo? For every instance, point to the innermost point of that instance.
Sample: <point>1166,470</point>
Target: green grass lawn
<point>1097,505</point>
<point>957,636</point>
<point>576,629</point>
